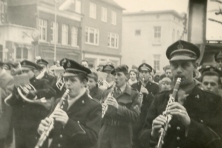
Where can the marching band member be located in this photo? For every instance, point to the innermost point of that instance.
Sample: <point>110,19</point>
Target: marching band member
<point>26,116</point>
<point>6,87</point>
<point>45,75</point>
<point>218,59</point>
<point>95,91</point>
<point>147,90</point>
<point>78,123</point>
<point>109,78</point>
<point>196,114</point>
<point>211,79</point>
<point>123,110</point>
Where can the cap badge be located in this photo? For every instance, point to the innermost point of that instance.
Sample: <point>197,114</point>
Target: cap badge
<point>68,64</point>
<point>63,62</point>
<point>24,63</point>
<point>144,66</point>
<point>179,46</point>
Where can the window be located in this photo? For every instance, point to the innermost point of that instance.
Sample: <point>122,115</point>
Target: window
<point>74,36</point>
<point>2,7</point>
<point>157,34</point>
<point>92,10</point>
<point>104,14</point>
<point>78,6</point>
<point>113,18</point>
<point>156,60</point>
<point>43,29</point>
<point>92,36</point>
<point>137,32</point>
<point>21,53</point>
<point>65,34</point>
<point>113,40</point>
<point>54,34</point>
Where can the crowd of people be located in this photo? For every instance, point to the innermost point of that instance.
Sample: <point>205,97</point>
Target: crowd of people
<point>72,106</point>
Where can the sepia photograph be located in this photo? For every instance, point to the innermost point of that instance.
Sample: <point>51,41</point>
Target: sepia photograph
<point>110,73</point>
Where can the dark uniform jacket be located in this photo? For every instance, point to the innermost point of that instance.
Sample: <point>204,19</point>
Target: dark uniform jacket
<point>119,121</point>
<point>96,93</point>
<point>204,110</point>
<point>82,128</point>
<point>153,89</point>
<point>6,87</point>
<point>27,116</point>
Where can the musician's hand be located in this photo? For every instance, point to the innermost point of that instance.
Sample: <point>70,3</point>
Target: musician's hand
<point>32,92</point>
<point>144,90</point>
<point>157,125</point>
<point>44,125</point>
<point>176,109</point>
<point>60,116</point>
<point>112,101</point>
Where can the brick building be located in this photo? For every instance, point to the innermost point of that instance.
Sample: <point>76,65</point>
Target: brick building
<point>101,31</point>
<point>40,15</point>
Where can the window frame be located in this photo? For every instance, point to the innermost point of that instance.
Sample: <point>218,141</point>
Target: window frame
<point>65,34</point>
<point>113,18</point>
<point>92,10</point>
<point>88,31</point>
<point>42,26</point>
<point>116,40</point>
<point>104,14</point>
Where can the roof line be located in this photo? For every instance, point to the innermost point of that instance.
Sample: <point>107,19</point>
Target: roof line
<point>153,12</point>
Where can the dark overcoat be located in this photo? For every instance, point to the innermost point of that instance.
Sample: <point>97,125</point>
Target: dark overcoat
<point>117,123</point>
<point>205,130</point>
<point>82,128</point>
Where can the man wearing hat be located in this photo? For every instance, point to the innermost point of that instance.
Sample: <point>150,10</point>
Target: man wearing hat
<point>95,91</point>
<point>44,73</point>
<point>26,115</point>
<point>196,114</point>
<point>123,109</point>
<point>6,87</point>
<point>147,91</point>
<point>109,78</point>
<point>78,120</point>
<point>218,59</point>
<point>211,79</point>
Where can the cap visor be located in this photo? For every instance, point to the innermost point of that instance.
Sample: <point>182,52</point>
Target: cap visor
<point>181,58</point>
<point>69,75</point>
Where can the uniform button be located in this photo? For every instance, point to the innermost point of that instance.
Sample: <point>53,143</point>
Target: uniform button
<point>61,136</point>
<point>201,121</point>
<point>178,128</point>
<point>178,138</point>
<point>36,138</point>
<point>178,147</point>
<point>59,145</point>
<point>83,102</point>
<point>169,126</point>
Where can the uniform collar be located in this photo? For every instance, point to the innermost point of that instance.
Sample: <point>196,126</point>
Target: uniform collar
<point>73,100</point>
<point>127,90</point>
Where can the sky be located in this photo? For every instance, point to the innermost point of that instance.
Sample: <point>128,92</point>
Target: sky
<point>153,5</point>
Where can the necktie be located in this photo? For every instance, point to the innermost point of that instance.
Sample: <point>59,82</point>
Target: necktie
<point>118,91</point>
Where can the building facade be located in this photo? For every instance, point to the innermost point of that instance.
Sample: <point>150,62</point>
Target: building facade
<point>50,40</point>
<point>146,36</point>
<point>101,32</point>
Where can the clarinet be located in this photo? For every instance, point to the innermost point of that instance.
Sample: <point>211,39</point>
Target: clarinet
<point>104,110</point>
<point>168,116</point>
<point>46,133</point>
